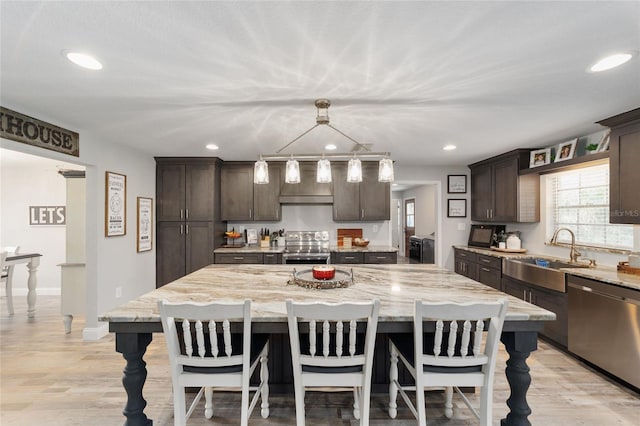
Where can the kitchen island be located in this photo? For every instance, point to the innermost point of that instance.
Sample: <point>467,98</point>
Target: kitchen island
<point>397,286</point>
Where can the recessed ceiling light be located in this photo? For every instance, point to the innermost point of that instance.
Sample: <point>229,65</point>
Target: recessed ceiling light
<point>330,147</point>
<point>610,61</point>
<point>449,147</point>
<point>212,146</point>
<point>83,60</point>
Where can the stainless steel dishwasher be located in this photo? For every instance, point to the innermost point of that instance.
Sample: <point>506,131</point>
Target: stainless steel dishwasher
<point>604,326</point>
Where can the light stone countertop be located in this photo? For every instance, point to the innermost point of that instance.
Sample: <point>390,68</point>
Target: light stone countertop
<point>396,286</point>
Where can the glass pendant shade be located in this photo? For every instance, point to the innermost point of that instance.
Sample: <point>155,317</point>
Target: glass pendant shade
<point>354,171</point>
<point>292,173</point>
<point>261,172</point>
<point>323,174</point>
<point>385,170</point>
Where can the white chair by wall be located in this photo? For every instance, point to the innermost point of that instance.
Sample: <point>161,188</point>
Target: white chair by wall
<point>211,356</point>
<point>456,357</point>
<point>7,276</point>
<point>341,359</point>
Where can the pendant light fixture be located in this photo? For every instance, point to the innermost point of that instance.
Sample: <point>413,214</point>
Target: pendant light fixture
<point>323,173</point>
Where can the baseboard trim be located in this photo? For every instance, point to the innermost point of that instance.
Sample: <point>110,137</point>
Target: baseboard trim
<point>92,334</point>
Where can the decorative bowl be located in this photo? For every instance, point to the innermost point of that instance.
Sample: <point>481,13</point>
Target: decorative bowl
<point>323,272</point>
<point>361,243</point>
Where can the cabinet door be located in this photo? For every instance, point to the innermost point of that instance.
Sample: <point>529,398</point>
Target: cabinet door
<point>505,182</point>
<point>374,257</point>
<point>346,195</point>
<point>272,258</point>
<point>170,195</point>
<point>200,191</point>
<point>236,201</point>
<point>170,252</point>
<point>375,197</point>
<point>481,192</point>
<point>199,245</point>
<point>239,258</point>
<point>515,289</point>
<point>489,276</point>
<point>266,202</point>
<point>624,175</point>
<point>347,257</point>
<point>558,303</point>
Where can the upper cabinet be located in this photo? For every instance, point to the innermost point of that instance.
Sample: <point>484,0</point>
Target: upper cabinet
<point>624,173</point>
<point>242,200</point>
<point>500,194</point>
<point>368,200</point>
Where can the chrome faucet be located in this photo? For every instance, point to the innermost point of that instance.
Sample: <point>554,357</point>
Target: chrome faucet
<point>573,254</point>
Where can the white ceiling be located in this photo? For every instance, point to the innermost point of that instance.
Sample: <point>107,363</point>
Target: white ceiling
<point>405,77</point>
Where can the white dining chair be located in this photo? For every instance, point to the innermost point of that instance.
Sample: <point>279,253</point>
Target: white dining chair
<point>461,352</point>
<point>7,277</point>
<point>342,359</point>
<point>204,353</point>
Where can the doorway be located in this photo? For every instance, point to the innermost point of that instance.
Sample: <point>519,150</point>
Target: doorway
<point>409,222</point>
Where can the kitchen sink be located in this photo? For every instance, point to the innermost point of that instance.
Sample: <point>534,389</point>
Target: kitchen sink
<point>541,272</point>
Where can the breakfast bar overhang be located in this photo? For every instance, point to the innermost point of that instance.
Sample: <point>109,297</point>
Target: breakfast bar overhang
<point>396,286</point>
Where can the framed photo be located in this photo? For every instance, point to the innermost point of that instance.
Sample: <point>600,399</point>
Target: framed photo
<point>604,142</point>
<point>115,204</point>
<point>457,184</point>
<point>456,207</point>
<point>540,157</point>
<point>144,228</point>
<point>566,150</point>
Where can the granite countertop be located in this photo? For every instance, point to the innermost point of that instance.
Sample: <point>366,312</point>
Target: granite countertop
<point>396,286</point>
<point>369,248</point>
<point>249,249</point>
<point>607,274</point>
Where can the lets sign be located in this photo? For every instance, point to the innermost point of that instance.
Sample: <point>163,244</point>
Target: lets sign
<point>47,215</point>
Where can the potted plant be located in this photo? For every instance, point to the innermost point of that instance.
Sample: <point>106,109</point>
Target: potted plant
<point>592,148</point>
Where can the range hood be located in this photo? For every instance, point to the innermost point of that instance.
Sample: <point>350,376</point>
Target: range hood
<point>308,191</point>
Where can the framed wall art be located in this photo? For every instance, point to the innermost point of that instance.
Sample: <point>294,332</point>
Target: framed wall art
<point>540,157</point>
<point>456,207</point>
<point>566,150</point>
<point>115,204</point>
<point>604,142</point>
<point>457,184</point>
<point>144,229</point>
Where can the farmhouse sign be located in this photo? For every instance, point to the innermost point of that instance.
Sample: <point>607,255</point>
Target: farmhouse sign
<point>22,128</point>
<point>47,215</point>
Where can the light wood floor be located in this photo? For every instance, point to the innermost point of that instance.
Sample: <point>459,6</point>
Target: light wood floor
<point>50,378</point>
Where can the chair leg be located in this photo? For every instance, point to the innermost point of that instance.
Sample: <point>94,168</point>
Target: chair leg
<point>448,402</point>
<point>365,403</point>
<point>9,293</point>
<point>299,396</point>
<point>486,402</point>
<point>420,403</point>
<point>356,403</point>
<point>264,379</point>
<point>179,406</point>
<point>208,402</point>
<point>393,378</point>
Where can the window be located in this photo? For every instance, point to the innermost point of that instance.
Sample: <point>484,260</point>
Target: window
<point>579,200</point>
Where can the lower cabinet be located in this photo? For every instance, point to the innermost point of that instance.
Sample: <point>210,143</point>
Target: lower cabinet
<point>465,263</point>
<point>181,248</point>
<point>248,258</point>
<point>364,257</point>
<point>547,299</point>
<point>347,257</point>
<point>381,258</point>
<point>479,267</point>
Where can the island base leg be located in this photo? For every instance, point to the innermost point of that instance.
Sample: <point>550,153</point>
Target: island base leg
<point>133,346</point>
<point>32,283</point>
<point>518,345</point>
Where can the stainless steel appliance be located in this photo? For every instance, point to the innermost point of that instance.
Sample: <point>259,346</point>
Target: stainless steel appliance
<point>485,235</point>
<point>306,247</point>
<point>604,325</point>
<point>422,248</point>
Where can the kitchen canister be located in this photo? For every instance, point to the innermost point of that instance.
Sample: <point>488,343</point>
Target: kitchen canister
<point>513,242</point>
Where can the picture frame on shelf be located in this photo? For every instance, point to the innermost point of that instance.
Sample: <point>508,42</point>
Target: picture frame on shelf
<point>456,184</point>
<point>456,207</point>
<point>540,157</point>
<point>115,204</point>
<point>144,228</point>
<point>566,150</point>
<point>604,142</point>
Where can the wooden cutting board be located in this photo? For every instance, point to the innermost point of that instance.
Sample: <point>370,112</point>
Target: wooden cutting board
<point>347,232</point>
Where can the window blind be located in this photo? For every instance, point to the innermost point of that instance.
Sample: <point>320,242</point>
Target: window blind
<point>579,200</point>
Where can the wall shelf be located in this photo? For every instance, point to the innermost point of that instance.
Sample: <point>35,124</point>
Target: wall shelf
<point>598,158</point>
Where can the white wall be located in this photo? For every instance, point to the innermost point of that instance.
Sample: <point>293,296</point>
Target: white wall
<point>111,262</point>
<point>24,184</point>
<point>425,197</point>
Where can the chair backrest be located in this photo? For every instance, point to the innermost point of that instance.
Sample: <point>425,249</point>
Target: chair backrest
<point>337,323</point>
<point>459,330</point>
<point>199,334</point>
<point>3,256</point>
<point>9,250</point>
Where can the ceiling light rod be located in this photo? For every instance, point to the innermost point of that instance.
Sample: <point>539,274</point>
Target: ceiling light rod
<point>346,156</point>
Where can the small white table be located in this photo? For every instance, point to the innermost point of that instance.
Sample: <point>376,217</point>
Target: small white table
<point>33,261</point>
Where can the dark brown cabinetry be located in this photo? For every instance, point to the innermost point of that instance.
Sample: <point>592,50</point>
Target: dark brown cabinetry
<point>368,200</point>
<point>242,200</point>
<point>248,258</point>
<point>465,264</point>
<point>500,194</point>
<point>479,267</point>
<point>372,257</point>
<point>550,300</point>
<point>380,258</point>
<point>624,173</point>
<point>188,225</point>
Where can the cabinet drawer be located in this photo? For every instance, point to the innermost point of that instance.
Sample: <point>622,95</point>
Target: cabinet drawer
<point>238,258</point>
<point>380,258</point>
<point>490,261</point>
<point>272,258</point>
<point>489,276</point>
<point>466,255</point>
<point>347,258</point>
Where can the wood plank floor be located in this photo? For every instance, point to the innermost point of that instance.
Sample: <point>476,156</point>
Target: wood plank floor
<point>48,377</point>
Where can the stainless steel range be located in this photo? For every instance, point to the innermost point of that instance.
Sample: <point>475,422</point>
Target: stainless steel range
<point>306,247</point>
